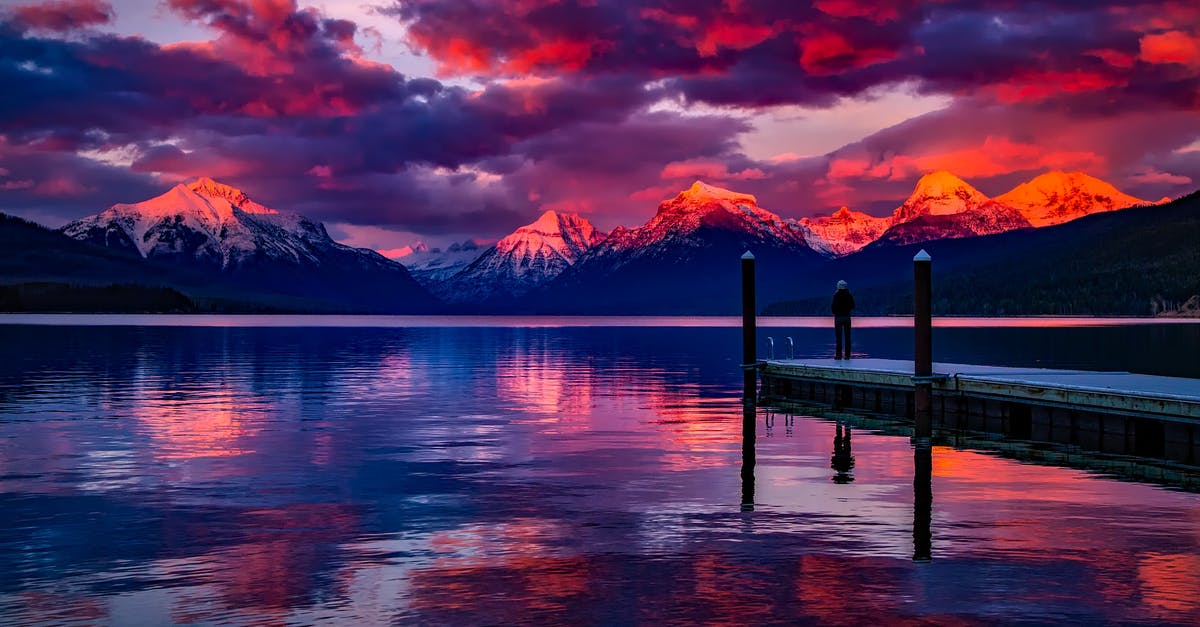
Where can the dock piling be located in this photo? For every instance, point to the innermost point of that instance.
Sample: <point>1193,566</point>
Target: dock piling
<point>750,380</point>
<point>923,348</point>
<point>749,323</point>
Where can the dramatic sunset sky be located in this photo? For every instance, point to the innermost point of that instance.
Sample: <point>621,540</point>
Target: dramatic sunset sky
<point>398,120</point>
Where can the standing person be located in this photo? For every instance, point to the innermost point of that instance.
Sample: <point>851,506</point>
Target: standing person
<point>843,304</point>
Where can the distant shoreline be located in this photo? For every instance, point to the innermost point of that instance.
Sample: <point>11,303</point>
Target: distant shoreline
<point>554,321</point>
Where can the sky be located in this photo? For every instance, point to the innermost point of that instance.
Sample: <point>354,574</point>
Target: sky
<point>394,121</point>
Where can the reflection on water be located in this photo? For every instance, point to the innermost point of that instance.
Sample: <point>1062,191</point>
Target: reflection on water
<point>510,475</point>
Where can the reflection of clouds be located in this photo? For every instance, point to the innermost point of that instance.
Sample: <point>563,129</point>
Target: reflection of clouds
<point>514,567</point>
<point>545,382</point>
<point>59,607</point>
<point>203,423</point>
<point>1170,585</point>
<point>466,481</point>
<point>272,568</point>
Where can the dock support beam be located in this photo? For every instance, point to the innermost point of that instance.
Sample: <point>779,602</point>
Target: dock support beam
<point>923,349</point>
<point>750,380</point>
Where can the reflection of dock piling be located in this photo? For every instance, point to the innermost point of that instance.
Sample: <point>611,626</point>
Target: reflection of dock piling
<point>749,379</point>
<point>922,503</point>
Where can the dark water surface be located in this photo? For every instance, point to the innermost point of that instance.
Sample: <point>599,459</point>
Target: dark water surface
<point>514,474</point>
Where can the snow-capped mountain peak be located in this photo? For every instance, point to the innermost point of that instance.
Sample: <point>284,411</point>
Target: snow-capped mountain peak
<point>939,193</point>
<point>526,258</point>
<point>704,205</point>
<point>431,266</point>
<point>216,231</point>
<point>204,221</point>
<point>701,192</point>
<point>566,235</point>
<point>1056,197</point>
<point>842,233</point>
<point>211,189</point>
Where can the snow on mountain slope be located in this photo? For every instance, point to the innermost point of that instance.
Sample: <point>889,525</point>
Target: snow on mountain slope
<point>939,193</point>
<point>685,258</point>
<point>208,226</point>
<point>203,222</point>
<point>702,206</point>
<point>1057,197</point>
<point>943,206</point>
<point>530,256</point>
<point>842,233</point>
<point>430,266</point>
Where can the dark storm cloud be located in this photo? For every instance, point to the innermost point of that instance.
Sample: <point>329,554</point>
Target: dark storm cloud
<point>582,105</point>
<point>270,117</point>
<point>763,52</point>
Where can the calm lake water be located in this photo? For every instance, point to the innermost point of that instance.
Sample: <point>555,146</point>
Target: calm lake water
<point>527,471</point>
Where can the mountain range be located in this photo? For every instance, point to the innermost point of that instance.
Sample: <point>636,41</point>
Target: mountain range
<point>654,268</point>
<point>212,242</point>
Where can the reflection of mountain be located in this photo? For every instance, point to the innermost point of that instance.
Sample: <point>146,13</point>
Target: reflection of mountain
<point>394,476</point>
<point>544,381</point>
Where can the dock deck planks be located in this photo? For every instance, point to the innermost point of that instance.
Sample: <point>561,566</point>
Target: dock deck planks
<point>1171,398</point>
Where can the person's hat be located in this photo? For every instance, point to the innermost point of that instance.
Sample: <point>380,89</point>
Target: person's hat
<point>842,285</point>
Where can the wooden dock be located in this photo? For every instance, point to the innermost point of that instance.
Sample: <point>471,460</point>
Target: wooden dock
<point>1111,412</point>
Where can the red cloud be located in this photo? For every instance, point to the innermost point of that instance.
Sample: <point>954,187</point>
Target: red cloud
<point>876,11</point>
<point>1116,58</point>
<point>562,54</point>
<point>63,15</point>
<point>723,34</point>
<point>826,53</point>
<point>1036,85</point>
<point>1173,46</point>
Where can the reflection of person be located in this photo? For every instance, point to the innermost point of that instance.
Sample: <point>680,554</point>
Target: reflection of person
<point>843,304</point>
<point>842,460</point>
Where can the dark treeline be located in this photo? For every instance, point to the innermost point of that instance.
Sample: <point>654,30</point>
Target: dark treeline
<point>63,297</point>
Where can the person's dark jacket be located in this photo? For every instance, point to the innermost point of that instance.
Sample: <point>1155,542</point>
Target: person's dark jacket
<point>843,303</point>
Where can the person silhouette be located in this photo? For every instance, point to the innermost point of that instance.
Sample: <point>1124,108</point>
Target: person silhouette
<point>843,304</point>
<point>842,460</point>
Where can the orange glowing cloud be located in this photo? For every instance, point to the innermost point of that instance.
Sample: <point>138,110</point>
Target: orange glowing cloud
<point>458,56</point>
<point>995,156</point>
<point>1174,46</point>
<point>708,170</point>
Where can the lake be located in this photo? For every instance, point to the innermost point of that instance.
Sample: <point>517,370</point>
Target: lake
<point>272,470</point>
